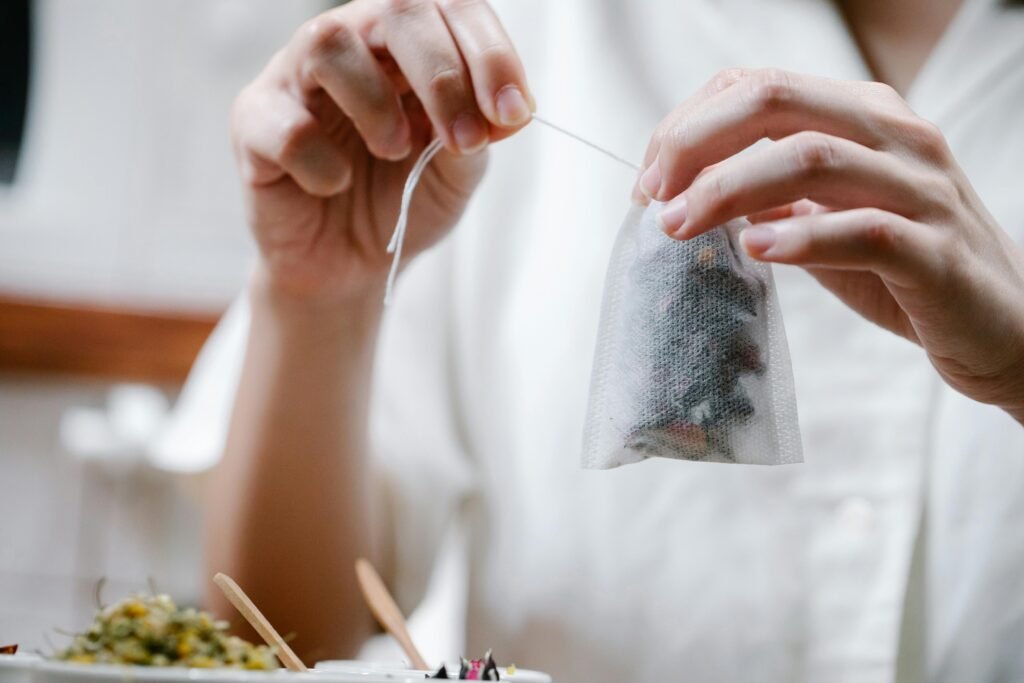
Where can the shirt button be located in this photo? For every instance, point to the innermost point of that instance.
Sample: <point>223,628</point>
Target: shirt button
<point>855,514</point>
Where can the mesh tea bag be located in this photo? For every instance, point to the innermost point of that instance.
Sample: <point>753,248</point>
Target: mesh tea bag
<point>692,361</point>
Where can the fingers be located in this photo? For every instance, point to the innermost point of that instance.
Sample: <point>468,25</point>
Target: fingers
<point>455,57</point>
<point>828,170</point>
<point>860,239</point>
<point>723,80</point>
<point>418,39</point>
<point>803,207</point>
<point>276,135</point>
<point>334,57</point>
<point>775,104</point>
<point>499,82</point>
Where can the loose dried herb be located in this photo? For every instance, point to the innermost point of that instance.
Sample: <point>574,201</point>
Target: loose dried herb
<point>474,669</point>
<point>150,630</point>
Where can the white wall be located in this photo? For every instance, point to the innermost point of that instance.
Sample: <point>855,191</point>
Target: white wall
<point>127,189</point>
<point>126,195</point>
<point>65,523</point>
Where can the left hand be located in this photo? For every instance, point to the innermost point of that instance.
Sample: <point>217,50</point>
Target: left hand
<point>866,196</point>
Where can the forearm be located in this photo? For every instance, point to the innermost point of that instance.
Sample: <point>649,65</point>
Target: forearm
<point>287,510</point>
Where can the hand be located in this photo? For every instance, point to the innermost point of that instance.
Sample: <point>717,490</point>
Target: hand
<point>867,197</point>
<point>327,133</point>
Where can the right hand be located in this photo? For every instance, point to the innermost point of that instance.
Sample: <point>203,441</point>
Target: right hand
<point>327,133</point>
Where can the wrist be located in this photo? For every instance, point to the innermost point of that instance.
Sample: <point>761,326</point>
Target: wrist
<point>292,303</point>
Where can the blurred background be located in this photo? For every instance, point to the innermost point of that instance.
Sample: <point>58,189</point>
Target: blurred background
<point>122,241</point>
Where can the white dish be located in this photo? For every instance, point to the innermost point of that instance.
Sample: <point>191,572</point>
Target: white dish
<point>17,668</point>
<point>325,672</point>
<point>395,672</point>
<point>67,672</point>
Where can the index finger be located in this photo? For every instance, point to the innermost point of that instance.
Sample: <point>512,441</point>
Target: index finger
<point>499,80</point>
<point>769,104</point>
<point>723,80</point>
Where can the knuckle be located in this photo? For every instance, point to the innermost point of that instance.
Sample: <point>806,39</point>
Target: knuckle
<point>878,232</point>
<point>239,109</point>
<point>726,78</point>
<point>497,57</point>
<point>676,137</point>
<point>401,7</point>
<point>448,83</point>
<point>653,146</point>
<point>246,116</point>
<point>297,133</point>
<point>813,153</point>
<point>944,192</point>
<point>327,35</point>
<point>770,90</point>
<point>714,193</point>
<point>929,140</point>
<point>664,130</point>
<point>886,92</point>
<point>460,5</point>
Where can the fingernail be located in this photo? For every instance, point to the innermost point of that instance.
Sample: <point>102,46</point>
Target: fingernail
<point>639,197</point>
<point>512,107</point>
<point>758,239</point>
<point>401,142</point>
<point>671,219</point>
<point>470,133</point>
<point>650,181</point>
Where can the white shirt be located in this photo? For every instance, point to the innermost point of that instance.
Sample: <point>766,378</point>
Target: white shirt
<point>899,544</point>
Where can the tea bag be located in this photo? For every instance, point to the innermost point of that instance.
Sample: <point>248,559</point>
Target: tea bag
<point>691,361</point>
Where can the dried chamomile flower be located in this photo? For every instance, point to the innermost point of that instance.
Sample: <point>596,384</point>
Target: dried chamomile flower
<point>150,630</point>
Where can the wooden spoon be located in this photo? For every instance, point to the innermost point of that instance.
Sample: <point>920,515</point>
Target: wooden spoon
<point>245,606</point>
<point>386,610</point>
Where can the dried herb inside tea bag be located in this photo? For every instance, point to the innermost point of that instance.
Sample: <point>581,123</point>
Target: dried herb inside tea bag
<point>691,361</point>
<point>694,347</point>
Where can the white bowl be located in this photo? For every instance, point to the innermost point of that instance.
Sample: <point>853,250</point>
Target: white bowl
<point>69,672</point>
<point>17,668</point>
<point>325,672</point>
<point>391,673</point>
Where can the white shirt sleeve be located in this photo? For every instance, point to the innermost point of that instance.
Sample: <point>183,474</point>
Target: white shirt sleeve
<point>417,442</point>
<point>193,439</point>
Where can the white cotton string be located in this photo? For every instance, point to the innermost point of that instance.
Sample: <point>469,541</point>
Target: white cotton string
<point>398,237</point>
<point>588,143</point>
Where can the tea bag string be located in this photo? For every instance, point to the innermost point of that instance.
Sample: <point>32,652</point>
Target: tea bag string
<point>398,236</point>
<point>588,143</point>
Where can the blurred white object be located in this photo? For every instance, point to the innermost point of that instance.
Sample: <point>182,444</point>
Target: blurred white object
<point>119,433</point>
<point>371,672</point>
<point>191,441</point>
<point>126,188</point>
<point>327,672</point>
<point>17,668</point>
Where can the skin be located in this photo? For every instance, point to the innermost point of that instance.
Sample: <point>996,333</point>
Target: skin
<point>865,195</point>
<point>895,38</point>
<point>325,137</point>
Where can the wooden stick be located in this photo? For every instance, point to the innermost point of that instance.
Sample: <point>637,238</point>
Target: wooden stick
<point>270,636</point>
<point>386,610</point>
